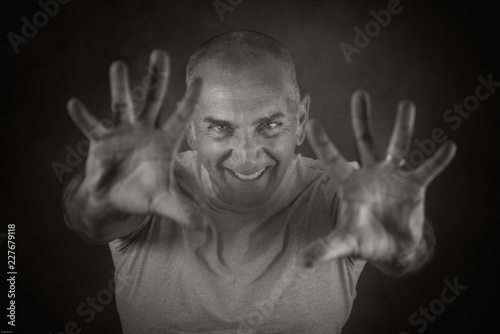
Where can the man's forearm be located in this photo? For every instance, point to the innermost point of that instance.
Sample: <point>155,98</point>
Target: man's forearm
<point>413,260</point>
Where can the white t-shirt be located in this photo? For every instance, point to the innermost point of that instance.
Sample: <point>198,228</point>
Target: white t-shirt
<point>242,274</point>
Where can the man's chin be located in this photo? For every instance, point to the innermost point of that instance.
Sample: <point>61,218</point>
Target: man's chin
<point>246,200</point>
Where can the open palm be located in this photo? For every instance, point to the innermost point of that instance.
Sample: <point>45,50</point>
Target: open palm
<point>379,219</point>
<point>130,167</point>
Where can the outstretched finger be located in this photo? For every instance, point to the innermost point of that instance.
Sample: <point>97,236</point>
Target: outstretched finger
<point>336,165</point>
<point>156,86</point>
<point>435,164</point>
<point>88,124</point>
<point>334,246</point>
<point>362,126</point>
<point>122,107</point>
<point>400,142</point>
<point>176,125</point>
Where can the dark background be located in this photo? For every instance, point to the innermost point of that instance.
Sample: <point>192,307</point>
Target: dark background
<point>431,53</point>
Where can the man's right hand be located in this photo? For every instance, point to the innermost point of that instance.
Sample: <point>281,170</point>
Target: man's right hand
<point>129,168</point>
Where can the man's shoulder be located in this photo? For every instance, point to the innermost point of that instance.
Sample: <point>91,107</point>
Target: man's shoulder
<point>187,158</point>
<point>306,169</point>
<point>315,166</point>
<point>308,163</point>
<point>187,163</point>
<point>188,170</point>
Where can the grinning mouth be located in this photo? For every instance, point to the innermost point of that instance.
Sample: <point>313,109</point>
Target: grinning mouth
<point>249,177</point>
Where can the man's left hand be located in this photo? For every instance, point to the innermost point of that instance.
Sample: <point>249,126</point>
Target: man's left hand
<point>381,204</point>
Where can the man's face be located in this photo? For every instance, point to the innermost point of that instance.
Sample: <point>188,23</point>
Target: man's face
<point>246,129</point>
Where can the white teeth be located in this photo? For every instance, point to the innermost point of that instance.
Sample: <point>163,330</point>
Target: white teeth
<point>251,176</point>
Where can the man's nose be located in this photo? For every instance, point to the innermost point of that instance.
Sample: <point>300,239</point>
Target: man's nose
<point>246,152</point>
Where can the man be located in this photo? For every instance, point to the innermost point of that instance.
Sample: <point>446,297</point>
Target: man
<point>229,237</point>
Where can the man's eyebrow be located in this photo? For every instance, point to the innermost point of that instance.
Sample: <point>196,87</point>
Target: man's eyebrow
<point>217,121</point>
<point>273,116</point>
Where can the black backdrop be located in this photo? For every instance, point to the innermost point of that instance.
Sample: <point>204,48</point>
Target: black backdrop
<point>432,52</point>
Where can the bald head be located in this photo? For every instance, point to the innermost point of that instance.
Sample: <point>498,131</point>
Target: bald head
<point>236,50</point>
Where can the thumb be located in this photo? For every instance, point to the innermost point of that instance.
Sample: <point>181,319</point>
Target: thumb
<point>335,245</point>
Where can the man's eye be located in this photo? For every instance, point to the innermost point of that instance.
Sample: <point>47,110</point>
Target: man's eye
<point>271,125</point>
<point>220,128</point>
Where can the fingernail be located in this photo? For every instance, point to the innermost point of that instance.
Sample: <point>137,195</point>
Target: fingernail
<point>160,60</point>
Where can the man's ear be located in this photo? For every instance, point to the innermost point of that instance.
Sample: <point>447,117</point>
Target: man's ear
<point>303,118</point>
